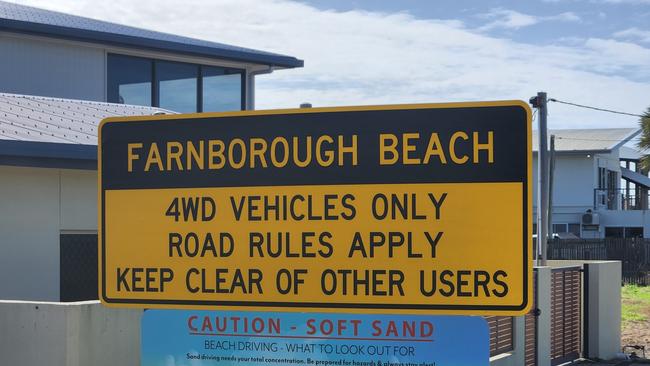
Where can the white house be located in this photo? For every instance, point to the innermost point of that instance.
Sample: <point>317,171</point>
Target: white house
<point>59,76</point>
<point>598,190</point>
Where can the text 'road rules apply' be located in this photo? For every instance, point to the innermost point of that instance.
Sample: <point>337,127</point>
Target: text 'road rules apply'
<point>406,208</point>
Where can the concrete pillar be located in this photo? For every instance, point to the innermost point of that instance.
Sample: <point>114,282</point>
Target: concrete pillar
<point>602,294</point>
<point>519,340</point>
<point>544,320</point>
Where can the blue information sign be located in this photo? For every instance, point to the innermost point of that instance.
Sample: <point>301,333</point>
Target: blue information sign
<point>179,337</point>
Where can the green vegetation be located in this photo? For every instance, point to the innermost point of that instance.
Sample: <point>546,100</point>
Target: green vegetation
<point>636,303</point>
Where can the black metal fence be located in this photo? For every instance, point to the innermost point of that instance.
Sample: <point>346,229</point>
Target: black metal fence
<point>634,254</point>
<point>78,265</point>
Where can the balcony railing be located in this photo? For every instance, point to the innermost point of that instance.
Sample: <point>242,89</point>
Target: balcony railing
<point>621,199</point>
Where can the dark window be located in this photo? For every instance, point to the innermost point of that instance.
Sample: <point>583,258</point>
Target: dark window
<point>614,232</point>
<point>129,80</point>
<point>78,267</point>
<point>559,228</point>
<point>612,193</point>
<point>574,229</point>
<point>222,89</point>
<point>612,179</point>
<point>567,228</point>
<point>634,232</point>
<point>602,181</point>
<point>176,85</point>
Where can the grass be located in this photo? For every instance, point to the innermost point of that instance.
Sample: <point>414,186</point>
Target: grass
<point>636,303</point>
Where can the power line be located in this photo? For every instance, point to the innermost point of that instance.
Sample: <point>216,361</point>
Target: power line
<point>586,139</point>
<point>595,108</point>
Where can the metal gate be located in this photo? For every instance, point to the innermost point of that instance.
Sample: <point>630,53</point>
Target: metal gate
<point>566,311</point>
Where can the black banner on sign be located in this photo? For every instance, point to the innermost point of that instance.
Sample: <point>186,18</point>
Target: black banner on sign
<point>482,144</point>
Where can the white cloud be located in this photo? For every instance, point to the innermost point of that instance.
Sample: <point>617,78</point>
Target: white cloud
<point>634,33</point>
<point>510,19</point>
<point>620,55</point>
<point>359,57</point>
<point>564,17</point>
<point>633,2</point>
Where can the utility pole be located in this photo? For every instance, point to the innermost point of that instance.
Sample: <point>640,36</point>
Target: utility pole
<point>540,102</point>
<point>551,175</point>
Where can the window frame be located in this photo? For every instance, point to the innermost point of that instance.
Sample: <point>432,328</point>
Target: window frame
<point>155,92</point>
<point>567,228</point>
<point>144,60</point>
<point>156,82</point>
<point>242,97</point>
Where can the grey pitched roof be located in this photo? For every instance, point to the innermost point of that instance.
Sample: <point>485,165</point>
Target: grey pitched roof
<point>626,152</point>
<point>55,120</point>
<point>26,19</point>
<point>596,139</point>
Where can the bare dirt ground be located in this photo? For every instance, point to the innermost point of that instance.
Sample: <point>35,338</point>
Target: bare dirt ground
<point>636,317</point>
<point>637,333</point>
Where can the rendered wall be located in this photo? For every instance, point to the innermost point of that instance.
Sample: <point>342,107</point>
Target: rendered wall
<point>37,204</point>
<point>29,223</point>
<point>573,182</point>
<point>52,69</point>
<point>70,334</point>
<point>78,200</point>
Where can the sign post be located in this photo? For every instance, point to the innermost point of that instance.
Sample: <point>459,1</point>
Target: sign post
<point>405,208</point>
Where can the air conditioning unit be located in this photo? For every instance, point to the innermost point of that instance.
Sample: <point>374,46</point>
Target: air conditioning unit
<point>590,218</point>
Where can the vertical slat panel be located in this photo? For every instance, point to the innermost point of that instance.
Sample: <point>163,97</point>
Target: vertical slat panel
<point>565,315</point>
<point>501,334</point>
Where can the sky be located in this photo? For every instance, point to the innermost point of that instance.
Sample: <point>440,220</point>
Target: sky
<point>593,52</point>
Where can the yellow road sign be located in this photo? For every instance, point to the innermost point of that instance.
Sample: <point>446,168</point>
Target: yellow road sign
<point>401,208</point>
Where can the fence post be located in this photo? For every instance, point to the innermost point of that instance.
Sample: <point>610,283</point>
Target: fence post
<point>519,340</point>
<point>544,320</point>
<point>602,309</point>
